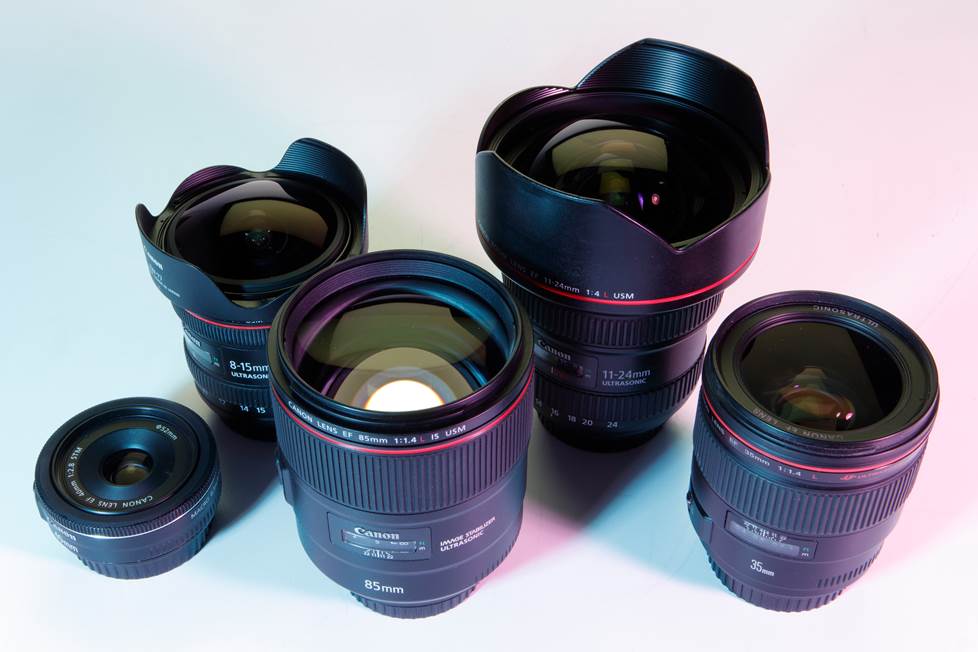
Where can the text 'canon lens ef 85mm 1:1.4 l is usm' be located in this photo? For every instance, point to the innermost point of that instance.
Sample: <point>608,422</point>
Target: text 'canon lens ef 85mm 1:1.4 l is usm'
<point>812,423</point>
<point>618,211</point>
<point>230,246</point>
<point>401,382</point>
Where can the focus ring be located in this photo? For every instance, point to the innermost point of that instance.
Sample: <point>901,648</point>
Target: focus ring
<point>609,407</point>
<point>406,484</point>
<point>796,510</point>
<point>248,338</point>
<point>616,331</point>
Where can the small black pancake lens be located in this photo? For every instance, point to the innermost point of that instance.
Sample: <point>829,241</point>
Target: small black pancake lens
<point>130,486</point>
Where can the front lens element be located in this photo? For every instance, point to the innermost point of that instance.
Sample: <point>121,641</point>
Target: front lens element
<point>256,230</point>
<point>402,393</point>
<point>814,414</point>
<point>678,192</point>
<point>385,340</point>
<point>130,486</point>
<point>821,375</point>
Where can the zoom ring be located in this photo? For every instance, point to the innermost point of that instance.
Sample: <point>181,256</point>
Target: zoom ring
<point>616,331</point>
<point>218,389</point>
<point>622,408</point>
<point>406,484</point>
<point>248,338</point>
<point>796,510</point>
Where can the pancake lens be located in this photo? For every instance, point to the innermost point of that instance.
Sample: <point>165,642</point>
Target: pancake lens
<point>398,354</point>
<point>821,376</point>
<point>130,486</point>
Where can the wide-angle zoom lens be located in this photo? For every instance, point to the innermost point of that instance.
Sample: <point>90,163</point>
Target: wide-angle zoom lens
<point>401,382</point>
<point>228,249</point>
<point>130,486</point>
<point>618,211</point>
<point>813,418</point>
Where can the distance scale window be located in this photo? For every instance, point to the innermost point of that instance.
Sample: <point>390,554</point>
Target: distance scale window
<point>768,540</point>
<point>397,544</point>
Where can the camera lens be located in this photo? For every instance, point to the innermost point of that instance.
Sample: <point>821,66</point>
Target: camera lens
<point>813,418</point>
<point>228,249</point>
<point>401,383</point>
<point>618,211</point>
<point>130,486</point>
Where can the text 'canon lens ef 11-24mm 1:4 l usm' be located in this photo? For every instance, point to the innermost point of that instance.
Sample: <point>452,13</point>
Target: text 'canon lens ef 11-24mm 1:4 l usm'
<point>618,211</point>
<point>230,246</point>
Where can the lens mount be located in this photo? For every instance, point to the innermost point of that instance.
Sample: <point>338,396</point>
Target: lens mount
<point>130,486</point>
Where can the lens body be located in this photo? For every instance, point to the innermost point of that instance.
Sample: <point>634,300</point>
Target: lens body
<point>813,418</point>
<point>130,486</point>
<point>229,248</point>
<point>401,382</point>
<point>618,211</point>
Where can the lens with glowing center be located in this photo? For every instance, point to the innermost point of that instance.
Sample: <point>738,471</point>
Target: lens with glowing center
<point>402,396</point>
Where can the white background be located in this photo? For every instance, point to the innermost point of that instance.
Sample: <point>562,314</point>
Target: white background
<point>872,113</point>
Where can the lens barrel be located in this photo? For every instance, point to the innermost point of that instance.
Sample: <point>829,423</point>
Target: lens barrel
<point>406,506</point>
<point>812,422</point>
<point>130,486</point>
<point>230,246</point>
<point>618,211</point>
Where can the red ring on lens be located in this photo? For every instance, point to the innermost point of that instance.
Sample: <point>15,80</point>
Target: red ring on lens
<point>408,451</point>
<point>237,327</point>
<point>805,467</point>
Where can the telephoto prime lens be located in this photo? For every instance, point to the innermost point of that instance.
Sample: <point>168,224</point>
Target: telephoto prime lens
<point>812,422</point>
<point>401,382</point>
<point>130,486</point>
<point>230,246</point>
<point>618,211</point>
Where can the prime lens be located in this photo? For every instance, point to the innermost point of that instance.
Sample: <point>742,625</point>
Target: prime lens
<point>230,246</point>
<point>130,486</point>
<point>813,418</point>
<point>618,211</point>
<point>401,382</point>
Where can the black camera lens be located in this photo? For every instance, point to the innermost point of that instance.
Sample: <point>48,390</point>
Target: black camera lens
<point>618,211</point>
<point>228,249</point>
<point>401,382</point>
<point>130,486</point>
<point>813,418</point>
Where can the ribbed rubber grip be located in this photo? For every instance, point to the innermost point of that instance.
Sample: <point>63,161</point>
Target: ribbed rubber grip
<point>622,408</point>
<point>798,510</point>
<point>247,338</point>
<point>406,484</point>
<point>614,331</point>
